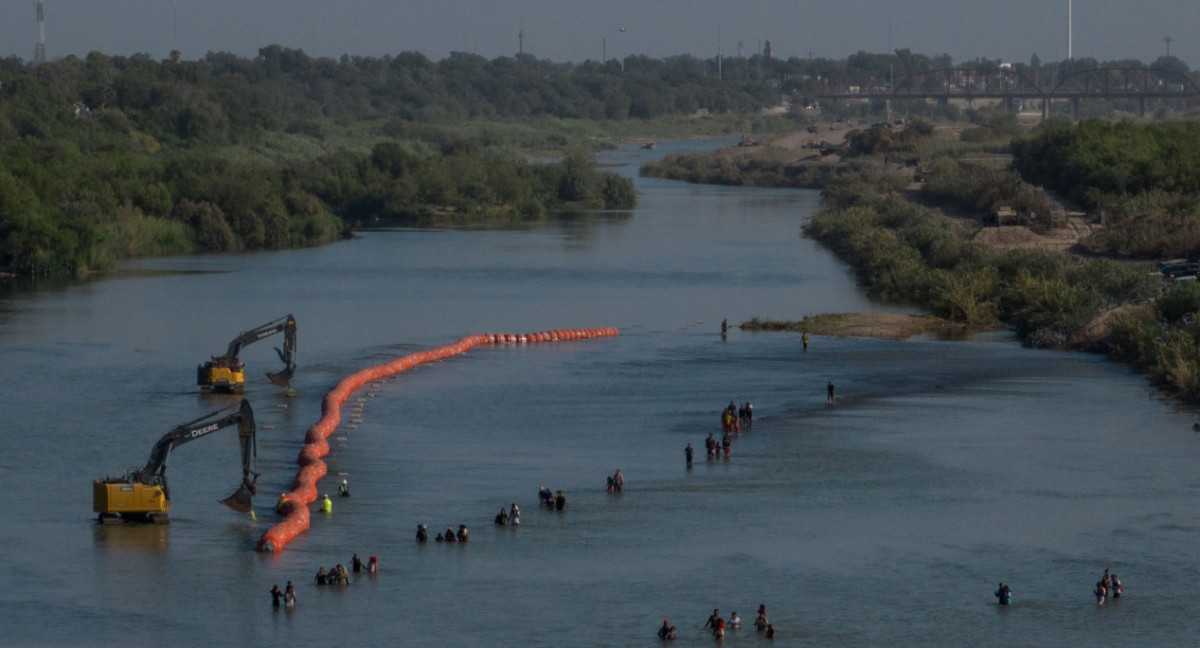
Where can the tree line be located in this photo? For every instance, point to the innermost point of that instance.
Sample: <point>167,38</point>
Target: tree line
<point>109,157</point>
<point>1143,179</point>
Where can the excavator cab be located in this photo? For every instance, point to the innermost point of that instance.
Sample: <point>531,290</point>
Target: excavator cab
<point>222,375</point>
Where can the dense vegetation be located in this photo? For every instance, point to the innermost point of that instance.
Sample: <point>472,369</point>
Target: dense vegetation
<point>904,252</point>
<point>106,158</point>
<point>1097,161</point>
<point>983,189</point>
<point>1145,178</point>
<point>73,205</point>
<point>1162,339</point>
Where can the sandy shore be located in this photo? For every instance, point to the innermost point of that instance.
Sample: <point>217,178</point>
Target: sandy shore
<point>880,325</point>
<point>801,147</point>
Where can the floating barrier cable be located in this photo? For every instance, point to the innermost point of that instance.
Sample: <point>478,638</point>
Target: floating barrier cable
<point>294,504</point>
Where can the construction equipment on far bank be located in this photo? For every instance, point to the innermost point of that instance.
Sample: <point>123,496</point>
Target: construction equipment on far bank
<point>226,373</point>
<point>142,494</point>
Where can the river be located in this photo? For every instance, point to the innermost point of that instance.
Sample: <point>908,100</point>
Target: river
<point>886,518</point>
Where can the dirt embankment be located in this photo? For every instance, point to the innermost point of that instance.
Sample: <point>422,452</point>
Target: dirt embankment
<point>1063,238</point>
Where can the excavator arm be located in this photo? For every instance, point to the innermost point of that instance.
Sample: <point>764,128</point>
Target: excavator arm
<point>284,378</point>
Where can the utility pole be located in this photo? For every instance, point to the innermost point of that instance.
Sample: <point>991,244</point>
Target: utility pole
<point>719,75</point>
<point>760,58</point>
<point>1068,30</point>
<point>39,50</point>
<point>463,36</point>
<point>622,30</point>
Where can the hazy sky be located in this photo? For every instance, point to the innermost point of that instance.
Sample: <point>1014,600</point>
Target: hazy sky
<point>575,30</point>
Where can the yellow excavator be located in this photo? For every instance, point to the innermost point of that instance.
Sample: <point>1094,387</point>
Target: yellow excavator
<point>142,494</point>
<point>226,373</point>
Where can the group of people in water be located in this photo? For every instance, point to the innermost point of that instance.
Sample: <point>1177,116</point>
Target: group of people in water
<point>335,576</point>
<point>338,575</point>
<point>287,596</point>
<point>711,447</point>
<point>718,625</point>
<point>552,499</point>
<point>616,482</point>
<point>510,517</point>
<point>1109,586</point>
<point>505,517</point>
<point>324,505</point>
<point>343,490</point>
<point>462,535</point>
<point>734,419</point>
<point>450,535</point>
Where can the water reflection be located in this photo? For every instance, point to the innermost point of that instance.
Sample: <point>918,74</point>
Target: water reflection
<point>141,538</point>
<point>565,220</point>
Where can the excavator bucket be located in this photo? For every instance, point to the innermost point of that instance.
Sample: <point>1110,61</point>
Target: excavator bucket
<point>283,378</point>
<point>241,500</point>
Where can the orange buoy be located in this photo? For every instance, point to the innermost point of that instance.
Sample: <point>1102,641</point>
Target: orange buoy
<point>312,468</point>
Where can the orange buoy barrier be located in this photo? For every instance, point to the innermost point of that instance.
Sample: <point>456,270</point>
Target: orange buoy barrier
<point>312,466</point>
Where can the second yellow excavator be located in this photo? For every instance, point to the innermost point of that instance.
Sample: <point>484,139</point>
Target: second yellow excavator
<point>226,373</point>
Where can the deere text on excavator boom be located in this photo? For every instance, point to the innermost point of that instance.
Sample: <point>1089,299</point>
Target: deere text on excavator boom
<point>142,494</point>
<point>226,373</point>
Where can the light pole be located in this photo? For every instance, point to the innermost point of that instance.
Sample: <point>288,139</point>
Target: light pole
<point>622,30</point>
<point>1068,30</point>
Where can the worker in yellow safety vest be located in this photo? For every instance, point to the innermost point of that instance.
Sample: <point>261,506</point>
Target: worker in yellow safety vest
<point>283,501</point>
<point>326,504</point>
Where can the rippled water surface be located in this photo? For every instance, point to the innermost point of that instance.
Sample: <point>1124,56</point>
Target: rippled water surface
<point>886,518</point>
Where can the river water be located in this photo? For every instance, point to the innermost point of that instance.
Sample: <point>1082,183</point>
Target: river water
<point>886,518</point>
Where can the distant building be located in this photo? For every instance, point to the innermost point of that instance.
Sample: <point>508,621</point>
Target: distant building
<point>767,50</point>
